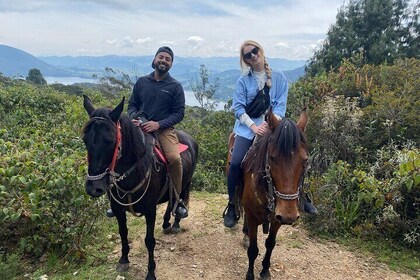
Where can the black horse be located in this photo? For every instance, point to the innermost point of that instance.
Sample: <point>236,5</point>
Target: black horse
<point>122,164</point>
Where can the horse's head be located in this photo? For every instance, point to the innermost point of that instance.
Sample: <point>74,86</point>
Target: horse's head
<point>102,137</point>
<point>285,162</point>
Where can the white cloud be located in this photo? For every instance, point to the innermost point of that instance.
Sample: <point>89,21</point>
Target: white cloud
<point>112,42</point>
<point>127,42</point>
<point>195,42</point>
<point>282,44</point>
<point>144,41</point>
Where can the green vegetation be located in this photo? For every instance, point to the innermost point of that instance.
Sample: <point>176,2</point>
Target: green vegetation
<point>35,76</point>
<point>373,31</point>
<point>203,90</point>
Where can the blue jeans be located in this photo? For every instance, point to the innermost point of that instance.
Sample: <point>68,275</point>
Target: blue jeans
<point>240,148</point>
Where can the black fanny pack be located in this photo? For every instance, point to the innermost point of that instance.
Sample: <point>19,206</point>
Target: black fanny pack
<point>259,104</point>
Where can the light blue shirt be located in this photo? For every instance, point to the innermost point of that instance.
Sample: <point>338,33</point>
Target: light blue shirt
<point>246,89</point>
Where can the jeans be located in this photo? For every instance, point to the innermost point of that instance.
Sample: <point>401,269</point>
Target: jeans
<point>240,148</point>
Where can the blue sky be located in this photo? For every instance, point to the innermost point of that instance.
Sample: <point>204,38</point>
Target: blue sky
<point>288,29</point>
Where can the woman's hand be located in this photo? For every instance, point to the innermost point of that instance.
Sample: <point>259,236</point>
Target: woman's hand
<point>259,130</point>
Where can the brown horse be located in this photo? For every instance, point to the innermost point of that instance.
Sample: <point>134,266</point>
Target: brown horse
<point>273,172</point>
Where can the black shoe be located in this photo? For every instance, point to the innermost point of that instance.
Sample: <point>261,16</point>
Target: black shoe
<point>181,211</point>
<point>308,207</point>
<point>109,213</point>
<point>229,216</point>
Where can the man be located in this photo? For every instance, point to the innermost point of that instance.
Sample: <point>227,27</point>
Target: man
<point>161,99</point>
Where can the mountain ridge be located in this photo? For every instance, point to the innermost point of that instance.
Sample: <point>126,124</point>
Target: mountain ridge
<point>17,63</point>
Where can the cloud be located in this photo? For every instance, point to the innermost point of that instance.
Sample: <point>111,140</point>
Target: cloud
<point>127,42</point>
<point>112,42</point>
<point>195,41</point>
<point>144,41</point>
<point>282,44</point>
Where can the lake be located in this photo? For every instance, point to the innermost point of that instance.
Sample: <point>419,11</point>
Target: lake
<point>189,95</point>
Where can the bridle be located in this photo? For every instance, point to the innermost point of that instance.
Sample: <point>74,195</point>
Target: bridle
<point>116,156</point>
<point>273,193</point>
<point>115,177</point>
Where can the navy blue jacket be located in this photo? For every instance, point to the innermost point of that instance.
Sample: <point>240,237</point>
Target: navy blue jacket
<point>162,101</point>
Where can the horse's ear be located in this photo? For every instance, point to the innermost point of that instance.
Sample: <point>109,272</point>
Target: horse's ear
<point>87,103</point>
<point>271,119</point>
<point>116,113</point>
<point>303,120</point>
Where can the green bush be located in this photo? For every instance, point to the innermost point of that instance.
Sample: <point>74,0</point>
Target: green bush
<point>42,170</point>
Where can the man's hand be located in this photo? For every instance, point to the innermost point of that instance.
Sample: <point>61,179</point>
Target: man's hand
<point>150,126</point>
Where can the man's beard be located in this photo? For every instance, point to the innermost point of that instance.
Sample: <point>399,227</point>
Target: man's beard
<point>162,68</point>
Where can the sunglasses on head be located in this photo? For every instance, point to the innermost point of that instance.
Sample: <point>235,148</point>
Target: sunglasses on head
<point>253,52</point>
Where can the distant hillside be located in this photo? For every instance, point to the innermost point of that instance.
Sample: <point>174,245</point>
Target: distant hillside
<point>15,62</point>
<point>140,65</point>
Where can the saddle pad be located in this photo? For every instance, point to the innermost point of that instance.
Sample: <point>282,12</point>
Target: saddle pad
<point>159,153</point>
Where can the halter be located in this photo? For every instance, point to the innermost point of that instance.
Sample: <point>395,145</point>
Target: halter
<point>272,190</point>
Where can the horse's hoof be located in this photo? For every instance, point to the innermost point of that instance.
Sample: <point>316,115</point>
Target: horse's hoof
<point>122,267</point>
<point>265,275</point>
<point>167,230</point>
<point>176,229</point>
<point>150,277</point>
<point>245,241</point>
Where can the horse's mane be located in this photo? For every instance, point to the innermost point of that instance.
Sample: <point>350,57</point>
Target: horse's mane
<point>286,138</point>
<point>135,142</point>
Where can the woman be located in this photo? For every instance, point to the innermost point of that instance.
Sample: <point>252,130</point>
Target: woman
<point>257,74</point>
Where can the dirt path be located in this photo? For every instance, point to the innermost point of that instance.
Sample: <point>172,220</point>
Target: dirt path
<point>204,249</point>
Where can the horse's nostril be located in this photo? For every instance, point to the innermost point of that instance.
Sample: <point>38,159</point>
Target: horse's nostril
<point>286,221</point>
<point>98,191</point>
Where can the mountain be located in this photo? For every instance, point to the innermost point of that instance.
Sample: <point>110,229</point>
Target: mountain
<point>15,63</point>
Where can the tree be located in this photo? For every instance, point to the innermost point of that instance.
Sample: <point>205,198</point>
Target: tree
<point>113,82</point>
<point>35,76</point>
<point>378,30</point>
<point>203,90</point>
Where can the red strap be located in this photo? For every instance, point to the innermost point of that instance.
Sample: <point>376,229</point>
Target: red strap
<point>117,147</point>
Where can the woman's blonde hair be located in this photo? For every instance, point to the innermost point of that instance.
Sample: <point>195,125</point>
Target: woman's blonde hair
<point>245,66</point>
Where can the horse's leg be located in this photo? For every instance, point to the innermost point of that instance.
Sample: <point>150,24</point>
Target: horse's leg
<point>123,263</point>
<point>176,227</point>
<point>151,242</point>
<point>253,247</point>
<point>270,242</point>
<point>245,240</point>
<point>166,226</point>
